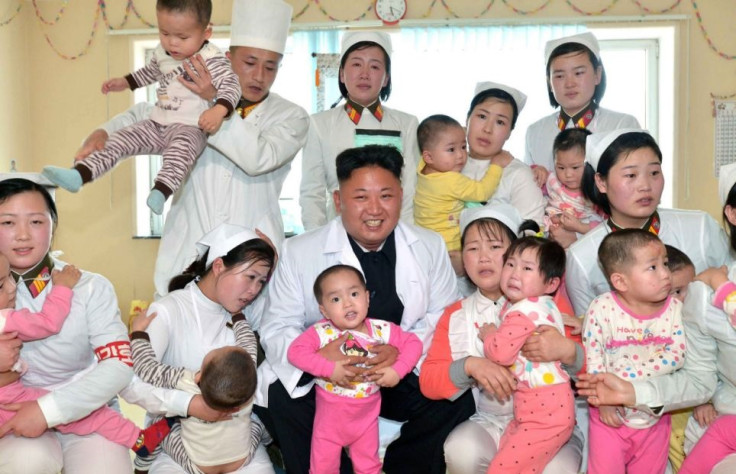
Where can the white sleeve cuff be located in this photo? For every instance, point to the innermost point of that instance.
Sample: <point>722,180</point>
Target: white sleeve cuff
<point>50,410</point>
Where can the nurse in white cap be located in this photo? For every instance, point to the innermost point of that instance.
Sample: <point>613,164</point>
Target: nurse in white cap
<point>232,266</point>
<point>491,119</point>
<point>238,177</point>
<point>623,176</point>
<point>576,82</point>
<point>365,81</point>
<point>709,373</point>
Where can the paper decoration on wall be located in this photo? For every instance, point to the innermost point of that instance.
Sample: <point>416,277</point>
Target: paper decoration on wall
<point>725,134</point>
<point>328,66</point>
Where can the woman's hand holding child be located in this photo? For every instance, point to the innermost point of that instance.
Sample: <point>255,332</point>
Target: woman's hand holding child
<point>611,416</point>
<point>714,277</point>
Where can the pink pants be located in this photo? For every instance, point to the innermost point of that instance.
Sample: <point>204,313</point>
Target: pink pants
<point>543,422</point>
<point>718,442</point>
<point>104,421</point>
<point>627,450</point>
<point>343,421</point>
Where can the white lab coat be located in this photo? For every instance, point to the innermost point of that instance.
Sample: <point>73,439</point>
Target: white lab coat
<point>236,179</point>
<point>425,283</point>
<point>540,135</point>
<point>517,188</point>
<point>331,132</point>
<point>693,232</point>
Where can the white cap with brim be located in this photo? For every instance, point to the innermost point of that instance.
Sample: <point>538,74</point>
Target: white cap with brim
<point>504,213</point>
<point>262,24</point>
<point>222,239</point>
<point>351,38</point>
<point>726,181</point>
<point>518,96</point>
<point>586,39</point>
<point>596,144</point>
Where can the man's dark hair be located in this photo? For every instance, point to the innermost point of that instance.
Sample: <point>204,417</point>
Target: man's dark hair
<point>382,156</point>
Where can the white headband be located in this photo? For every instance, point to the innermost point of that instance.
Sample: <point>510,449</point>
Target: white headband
<point>504,213</point>
<point>586,39</point>
<point>223,239</point>
<point>596,144</point>
<point>726,181</point>
<point>518,96</point>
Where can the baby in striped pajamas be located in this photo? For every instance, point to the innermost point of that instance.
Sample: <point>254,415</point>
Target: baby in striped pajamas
<point>181,121</point>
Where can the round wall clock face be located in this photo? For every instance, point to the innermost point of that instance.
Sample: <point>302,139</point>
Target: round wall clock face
<point>390,11</point>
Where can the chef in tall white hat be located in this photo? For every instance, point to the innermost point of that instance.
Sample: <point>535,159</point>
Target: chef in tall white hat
<point>576,83</point>
<point>364,82</point>
<point>239,176</point>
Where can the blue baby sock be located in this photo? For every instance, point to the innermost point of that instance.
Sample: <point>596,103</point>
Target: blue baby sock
<point>156,201</point>
<point>66,178</point>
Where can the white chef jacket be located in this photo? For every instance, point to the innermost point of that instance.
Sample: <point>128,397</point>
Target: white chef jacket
<point>65,362</point>
<point>331,132</point>
<point>693,232</point>
<point>236,179</point>
<point>540,136</point>
<point>709,372</point>
<point>425,283</point>
<point>517,188</point>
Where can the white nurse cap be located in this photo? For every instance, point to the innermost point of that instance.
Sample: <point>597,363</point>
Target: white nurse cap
<point>353,37</point>
<point>596,144</point>
<point>504,213</point>
<point>518,96</point>
<point>586,39</point>
<point>726,181</point>
<point>223,239</point>
<point>262,24</point>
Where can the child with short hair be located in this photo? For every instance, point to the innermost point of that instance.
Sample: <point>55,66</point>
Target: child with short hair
<point>567,206</point>
<point>227,382</point>
<point>634,331</point>
<point>181,121</point>
<point>441,189</point>
<point>544,408</point>
<point>32,326</point>
<point>683,272</point>
<point>346,411</point>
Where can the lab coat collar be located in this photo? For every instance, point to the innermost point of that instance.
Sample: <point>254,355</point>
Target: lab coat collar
<point>337,238</point>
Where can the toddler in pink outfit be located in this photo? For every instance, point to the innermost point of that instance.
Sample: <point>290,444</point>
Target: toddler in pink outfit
<point>544,409</point>
<point>346,411</point>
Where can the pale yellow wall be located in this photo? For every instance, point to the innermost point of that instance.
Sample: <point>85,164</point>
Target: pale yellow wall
<point>49,104</point>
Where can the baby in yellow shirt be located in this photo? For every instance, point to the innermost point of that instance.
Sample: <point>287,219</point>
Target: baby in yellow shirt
<point>441,189</point>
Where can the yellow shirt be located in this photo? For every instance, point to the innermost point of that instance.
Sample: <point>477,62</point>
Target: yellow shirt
<point>439,198</point>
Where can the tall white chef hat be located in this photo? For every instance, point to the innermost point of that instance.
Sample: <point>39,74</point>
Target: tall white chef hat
<point>223,239</point>
<point>518,96</point>
<point>349,38</point>
<point>504,213</point>
<point>596,144</point>
<point>726,181</point>
<point>262,24</point>
<point>586,39</point>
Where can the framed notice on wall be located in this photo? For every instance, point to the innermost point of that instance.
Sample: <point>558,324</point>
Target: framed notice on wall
<point>725,136</point>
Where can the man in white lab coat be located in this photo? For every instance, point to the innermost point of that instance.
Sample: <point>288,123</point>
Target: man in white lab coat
<point>411,282</point>
<point>238,177</point>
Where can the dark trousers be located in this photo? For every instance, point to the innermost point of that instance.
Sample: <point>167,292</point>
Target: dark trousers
<point>417,450</point>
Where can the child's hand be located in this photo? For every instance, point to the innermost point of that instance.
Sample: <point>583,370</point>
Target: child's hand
<point>714,277</point>
<point>67,276</point>
<point>573,322</point>
<point>705,414</point>
<point>540,175</point>
<point>572,224</point>
<point>611,416</point>
<point>116,84</point>
<point>342,375</point>
<point>486,330</point>
<point>389,377</point>
<point>141,321</point>
<point>502,159</point>
<point>212,118</point>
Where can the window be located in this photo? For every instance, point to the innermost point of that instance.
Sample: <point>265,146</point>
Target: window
<point>434,70</point>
